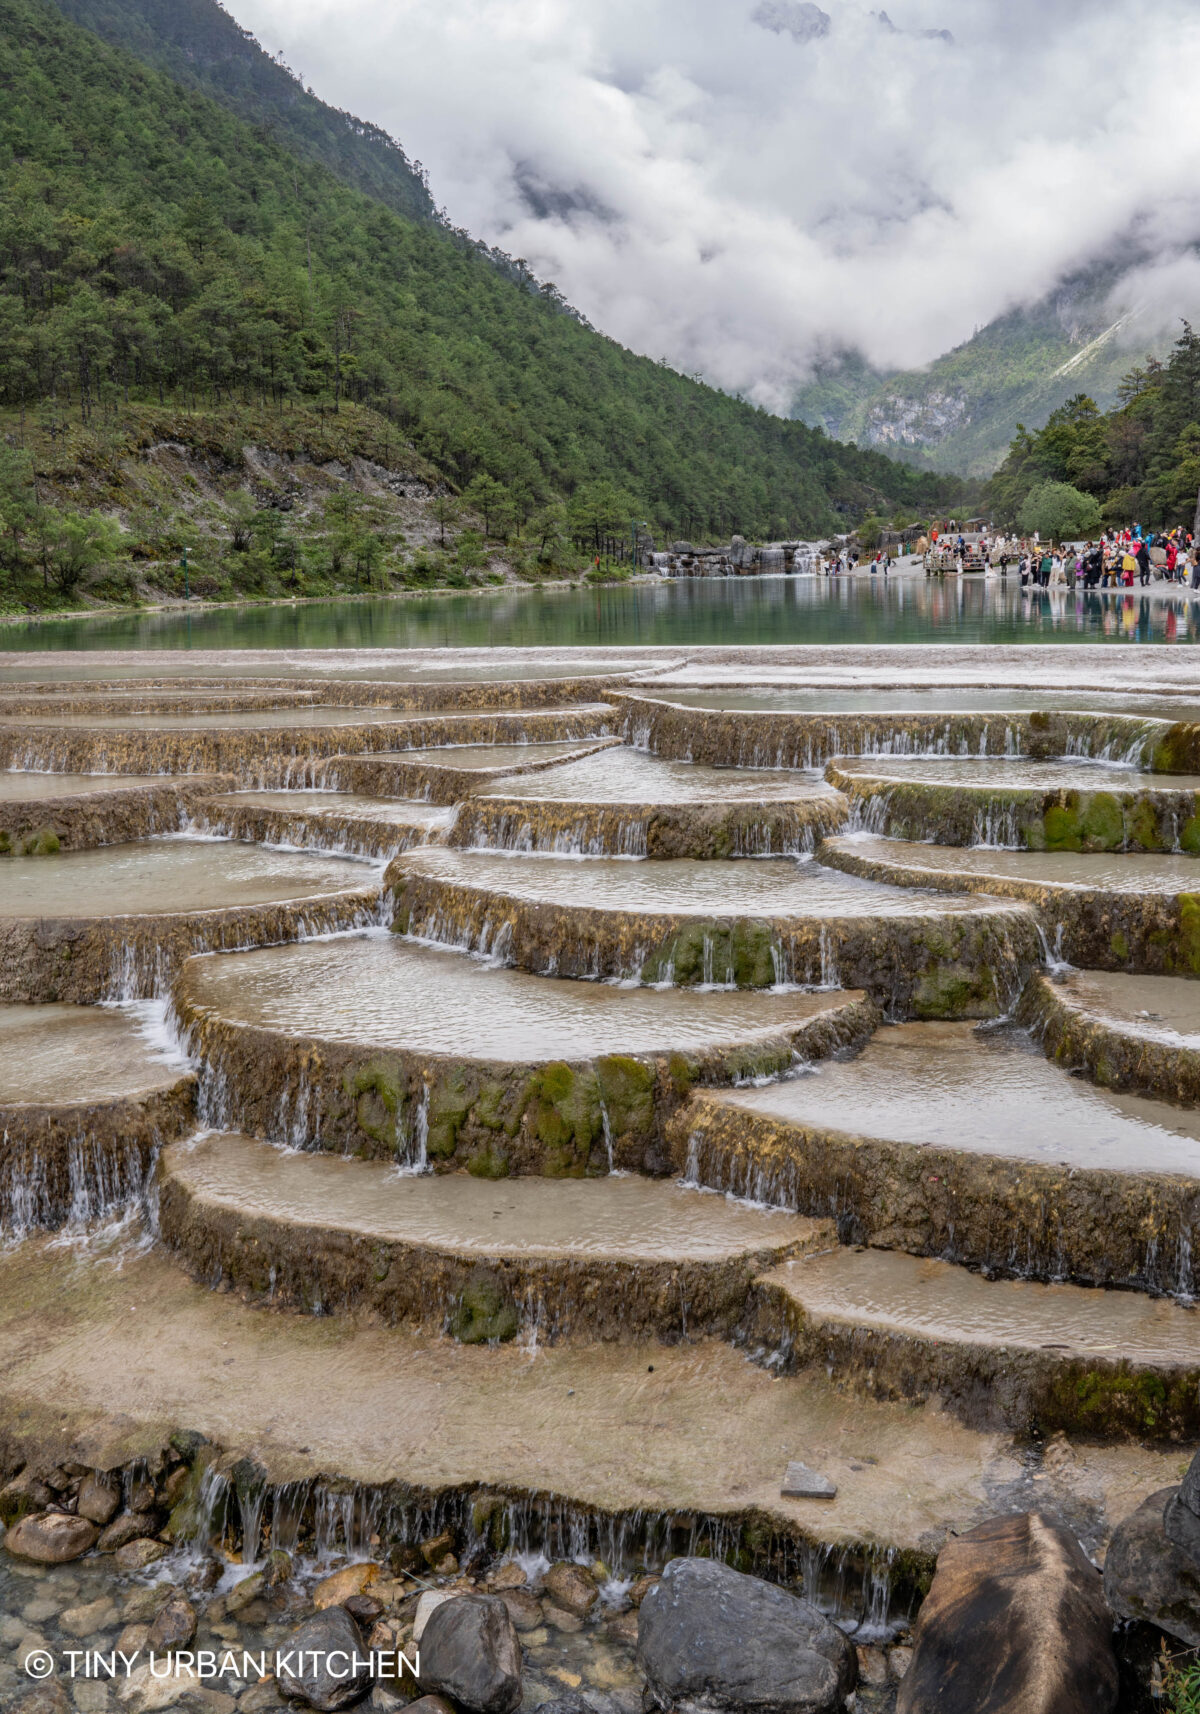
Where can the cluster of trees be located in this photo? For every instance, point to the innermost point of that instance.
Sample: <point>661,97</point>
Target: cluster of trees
<point>1139,463</point>
<point>156,247</point>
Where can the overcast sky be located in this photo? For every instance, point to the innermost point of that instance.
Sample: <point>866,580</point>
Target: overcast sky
<point>741,185</point>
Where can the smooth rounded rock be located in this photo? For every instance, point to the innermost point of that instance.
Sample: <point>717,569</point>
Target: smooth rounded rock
<point>1015,1622</point>
<point>570,1586</point>
<point>99,1499</point>
<point>324,1663</point>
<point>51,1538</point>
<point>136,1555</point>
<point>174,1627</point>
<point>1146,1576</point>
<point>712,1639</point>
<point>470,1653</point>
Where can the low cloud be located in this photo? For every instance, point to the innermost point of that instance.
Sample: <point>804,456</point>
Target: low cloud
<point>744,188</point>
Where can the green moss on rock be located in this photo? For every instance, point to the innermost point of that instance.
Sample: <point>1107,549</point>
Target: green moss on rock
<point>484,1312</point>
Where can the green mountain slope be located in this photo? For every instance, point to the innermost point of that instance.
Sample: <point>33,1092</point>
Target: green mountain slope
<point>199,45</point>
<point>962,411</point>
<point>155,247</point>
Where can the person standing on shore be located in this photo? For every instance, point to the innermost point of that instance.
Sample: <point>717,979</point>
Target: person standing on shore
<point>1142,557</point>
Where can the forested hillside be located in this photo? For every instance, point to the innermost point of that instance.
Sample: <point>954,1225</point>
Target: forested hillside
<point>160,254</point>
<point>1137,463</point>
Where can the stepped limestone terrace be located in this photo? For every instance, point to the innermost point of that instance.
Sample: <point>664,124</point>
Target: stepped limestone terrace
<point>532,1110</point>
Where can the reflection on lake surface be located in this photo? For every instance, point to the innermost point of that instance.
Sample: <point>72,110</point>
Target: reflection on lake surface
<point>683,611</point>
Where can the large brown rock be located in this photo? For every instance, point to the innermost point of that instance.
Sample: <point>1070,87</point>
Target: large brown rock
<point>1015,1623</point>
<point>470,1653</point>
<point>51,1538</point>
<point>323,1664</point>
<point>1148,1576</point>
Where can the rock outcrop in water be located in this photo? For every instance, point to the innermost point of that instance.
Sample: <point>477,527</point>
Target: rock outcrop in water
<point>712,1640</point>
<point>1014,1623</point>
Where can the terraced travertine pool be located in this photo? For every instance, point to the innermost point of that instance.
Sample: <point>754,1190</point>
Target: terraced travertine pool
<point>170,874</point>
<point>624,775</point>
<point>377,990</point>
<point>22,785</point>
<point>1016,773</point>
<point>60,1055</point>
<point>483,1234</point>
<point>987,1091</point>
<point>758,887</point>
<point>1108,871</point>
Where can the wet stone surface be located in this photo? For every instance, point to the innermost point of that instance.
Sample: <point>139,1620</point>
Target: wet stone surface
<point>164,875</point>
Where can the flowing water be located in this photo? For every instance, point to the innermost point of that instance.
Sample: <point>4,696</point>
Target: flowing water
<point>912,1295</point>
<point>781,886</point>
<point>987,1091</point>
<point>618,1217</point>
<point>1017,773</point>
<point>622,775</point>
<point>154,875</point>
<point>60,1055</point>
<point>1118,872</point>
<point>376,990</point>
<point>20,785</point>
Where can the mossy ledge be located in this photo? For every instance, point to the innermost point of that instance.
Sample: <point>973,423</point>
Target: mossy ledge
<point>1146,934</point>
<point>82,820</point>
<point>87,959</point>
<point>1145,820</point>
<point>1114,1056</point>
<point>740,738</point>
<point>318,1268</point>
<point>494,1118</point>
<point>218,694</point>
<point>80,1161</point>
<point>768,828</point>
<point>278,756</point>
<point>963,964</point>
<point>1027,1391</point>
<point>1014,1218</point>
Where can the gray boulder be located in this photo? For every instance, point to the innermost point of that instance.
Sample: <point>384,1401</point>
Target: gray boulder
<point>1014,1623</point>
<point>470,1653</point>
<point>1148,1576</point>
<point>711,1639</point>
<point>318,1665</point>
<point>1181,1518</point>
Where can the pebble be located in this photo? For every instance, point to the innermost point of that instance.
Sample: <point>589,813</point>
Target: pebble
<point>85,1621</point>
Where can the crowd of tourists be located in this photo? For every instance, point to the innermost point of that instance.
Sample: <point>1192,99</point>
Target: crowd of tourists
<point>1114,560</point>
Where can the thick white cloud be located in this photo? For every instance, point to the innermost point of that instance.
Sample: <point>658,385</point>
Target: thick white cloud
<point>740,187</point>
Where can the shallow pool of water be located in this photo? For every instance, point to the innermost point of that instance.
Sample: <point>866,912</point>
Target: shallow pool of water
<point>673,613</point>
<point>1165,1008</point>
<point>627,1218</point>
<point>405,812</point>
<point>1119,871</point>
<point>913,1295</point>
<point>799,699</point>
<point>622,775</point>
<point>493,755</point>
<point>985,1091</point>
<point>253,719</point>
<point>376,990</point>
<point>1017,773</point>
<point>64,1055</point>
<point>170,875</point>
<point>780,886</point>
<point>19,785</point>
